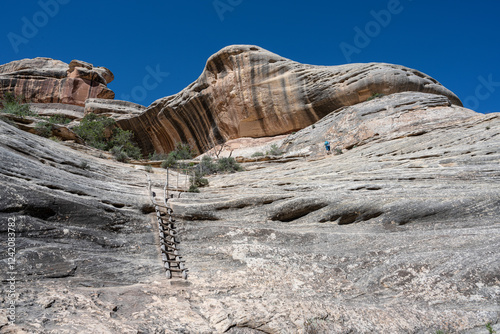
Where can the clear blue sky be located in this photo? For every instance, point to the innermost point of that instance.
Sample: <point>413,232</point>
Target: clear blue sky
<point>456,42</point>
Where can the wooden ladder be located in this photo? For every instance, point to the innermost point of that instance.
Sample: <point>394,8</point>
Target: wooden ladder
<point>172,261</point>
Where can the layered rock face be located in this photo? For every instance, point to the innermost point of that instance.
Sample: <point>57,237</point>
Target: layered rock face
<point>399,234</point>
<point>44,80</point>
<point>382,119</point>
<point>246,91</point>
<point>115,109</point>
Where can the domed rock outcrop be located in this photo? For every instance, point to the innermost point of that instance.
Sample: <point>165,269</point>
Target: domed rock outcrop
<point>246,91</point>
<point>45,80</point>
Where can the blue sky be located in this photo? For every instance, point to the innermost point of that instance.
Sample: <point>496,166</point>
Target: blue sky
<point>456,42</point>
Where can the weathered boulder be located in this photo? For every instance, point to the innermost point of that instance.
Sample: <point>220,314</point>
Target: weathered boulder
<point>45,80</point>
<point>70,111</point>
<point>246,91</point>
<point>113,108</point>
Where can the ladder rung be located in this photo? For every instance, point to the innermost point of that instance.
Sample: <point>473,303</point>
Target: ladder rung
<point>174,261</point>
<point>176,270</point>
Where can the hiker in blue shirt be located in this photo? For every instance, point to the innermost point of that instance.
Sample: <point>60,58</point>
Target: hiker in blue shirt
<point>327,147</point>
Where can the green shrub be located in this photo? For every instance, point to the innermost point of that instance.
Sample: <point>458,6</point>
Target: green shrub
<point>59,119</point>
<point>119,154</point>
<point>200,181</point>
<point>183,151</point>
<point>206,166</point>
<point>338,151</point>
<point>375,96</point>
<point>124,139</point>
<point>275,150</point>
<point>209,166</point>
<point>93,128</point>
<point>8,121</point>
<point>228,165</point>
<point>148,169</point>
<point>157,156</point>
<point>169,162</point>
<point>43,129</point>
<point>257,154</point>
<point>193,189</point>
<point>14,105</point>
<point>56,139</point>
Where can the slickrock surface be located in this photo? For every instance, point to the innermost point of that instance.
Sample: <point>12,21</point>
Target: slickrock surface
<point>45,80</point>
<point>246,91</point>
<point>379,120</point>
<point>399,234</point>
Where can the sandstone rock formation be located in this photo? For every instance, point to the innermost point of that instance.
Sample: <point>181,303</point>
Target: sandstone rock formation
<point>115,109</point>
<point>246,91</point>
<point>44,80</point>
<point>399,234</point>
<point>382,119</point>
<point>70,111</point>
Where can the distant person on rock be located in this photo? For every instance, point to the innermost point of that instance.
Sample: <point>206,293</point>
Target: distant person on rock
<point>327,147</point>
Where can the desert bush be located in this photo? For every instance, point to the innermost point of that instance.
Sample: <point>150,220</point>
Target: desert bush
<point>148,169</point>
<point>200,181</point>
<point>257,154</point>
<point>12,104</point>
<point>93,128</point>
<point>43,129</point>
<point>193,189</point>
<point>274,150</point>
<point>58,119</point>
<point>157,156</point>
<point>228,165</point>
<point>8,121</point>
<point>119,154</point>
<point>206,166</point>
<point>490,328</point>
<point>169,162</point>
<point>209,166</point>
<point>182,152</point>
<point>375,96</point>
<point>124,139</point>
